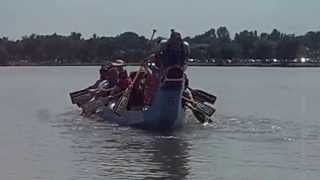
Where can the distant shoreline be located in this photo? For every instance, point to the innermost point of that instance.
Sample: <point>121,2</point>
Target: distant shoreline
<point>290,65</point>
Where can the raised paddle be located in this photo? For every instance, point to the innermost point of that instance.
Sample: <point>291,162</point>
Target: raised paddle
<point>122,103</point>
<point>202,96</point>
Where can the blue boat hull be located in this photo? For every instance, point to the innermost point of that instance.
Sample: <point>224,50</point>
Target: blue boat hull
<point>166,112</point>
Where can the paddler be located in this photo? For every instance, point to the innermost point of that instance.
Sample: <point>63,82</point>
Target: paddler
<point>104,88</point>
<point>87,94</point>
<point>102,75</point>
<point>123,80</point>
<point>171,52</point>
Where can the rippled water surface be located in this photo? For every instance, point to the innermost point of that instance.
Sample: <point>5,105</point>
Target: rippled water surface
<point>266,127</point>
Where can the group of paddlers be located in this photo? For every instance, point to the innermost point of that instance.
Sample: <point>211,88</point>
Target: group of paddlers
<point>165,66</point>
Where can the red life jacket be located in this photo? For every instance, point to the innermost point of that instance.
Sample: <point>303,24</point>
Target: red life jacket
<point>124,83</point>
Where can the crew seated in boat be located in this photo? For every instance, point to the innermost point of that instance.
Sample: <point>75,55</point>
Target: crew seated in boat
<point>115,74</point>
<point>85,98</point>
<point>168,63</point>
<point>100,91</point>
<point>113,79</point>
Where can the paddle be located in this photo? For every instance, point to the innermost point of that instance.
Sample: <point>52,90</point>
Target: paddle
<point>201,107</point>
<point>93,105</point>
<point>202,96</point>
<point>123,101</point>
<point>78,93</point>
<point>80,98</point>
<point>201,117</point>
<point>83,96</point>
<point>76,96</point>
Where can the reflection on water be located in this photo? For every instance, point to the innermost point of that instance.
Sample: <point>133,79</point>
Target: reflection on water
<point>107,150</point>
<point>170,153</point>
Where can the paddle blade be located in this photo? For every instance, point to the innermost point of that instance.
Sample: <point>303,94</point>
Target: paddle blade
<point>80,97</point>
<point>75,94</point>
<point>202,96</point>
<point>199,116</point>
<point>202,118</point>
<point>78,93</point>
<point>205,109</point>
<point>122,104</point>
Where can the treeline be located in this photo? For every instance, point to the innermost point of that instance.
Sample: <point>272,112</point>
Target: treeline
<point>251,45</point>
<point>55,49</point>
<point>215,43</point>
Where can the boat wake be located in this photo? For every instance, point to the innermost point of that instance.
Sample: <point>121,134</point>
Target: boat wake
<point>251,128</point>
<point>261,129</point>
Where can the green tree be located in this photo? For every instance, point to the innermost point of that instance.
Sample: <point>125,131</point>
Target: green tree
<point>223,34</point>
<point>3,56</point>
<point>275,35</point>
<point>264,49</point>
<point>246,40</point>
<point>205,38</point>
<point>288,48</point>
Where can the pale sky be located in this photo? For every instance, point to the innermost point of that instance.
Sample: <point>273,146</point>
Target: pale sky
<point>190,17</point>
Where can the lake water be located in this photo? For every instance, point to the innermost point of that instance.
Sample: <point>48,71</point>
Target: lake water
<point>267,126</point>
